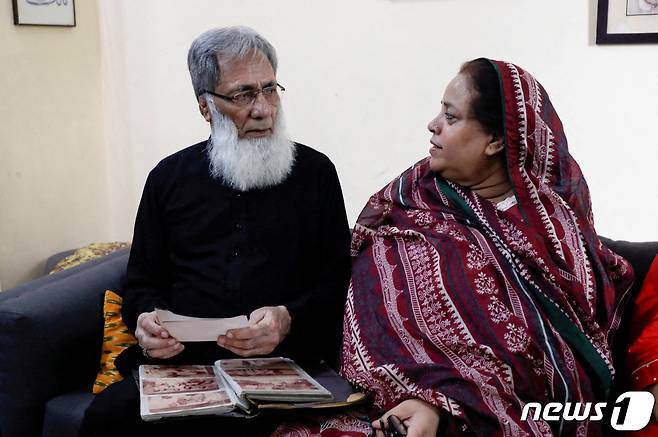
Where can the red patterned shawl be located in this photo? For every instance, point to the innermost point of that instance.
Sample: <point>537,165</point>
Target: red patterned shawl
<point>478,311</point>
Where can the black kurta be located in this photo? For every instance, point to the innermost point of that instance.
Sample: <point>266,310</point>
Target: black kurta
<point>203,249</point>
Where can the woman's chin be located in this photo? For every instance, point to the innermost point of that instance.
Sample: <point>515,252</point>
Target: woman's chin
<point>435,165</point>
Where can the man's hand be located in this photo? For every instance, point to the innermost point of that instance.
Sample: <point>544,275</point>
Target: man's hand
<point>154,339</point>
<point>420,418</point>
<point>268,326</point>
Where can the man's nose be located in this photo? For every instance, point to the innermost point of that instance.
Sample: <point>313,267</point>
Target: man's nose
<point>261,107</point>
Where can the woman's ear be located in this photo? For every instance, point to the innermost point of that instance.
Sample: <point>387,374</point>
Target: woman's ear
<point>494,146</point>
<point>203,108</point>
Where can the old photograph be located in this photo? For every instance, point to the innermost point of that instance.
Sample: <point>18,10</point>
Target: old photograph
<point>642,7</point>
<point>262,372</point>
<point>274,383</point>
<point>270,363</point>
<point>186,401</point>
<point>154,371</point>
<point>178,385</point>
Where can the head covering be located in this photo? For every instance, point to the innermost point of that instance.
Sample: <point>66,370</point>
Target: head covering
<point>480,311</point>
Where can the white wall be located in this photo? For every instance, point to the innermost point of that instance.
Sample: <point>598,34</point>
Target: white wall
<point>53,179</point>
<point>364,77</point>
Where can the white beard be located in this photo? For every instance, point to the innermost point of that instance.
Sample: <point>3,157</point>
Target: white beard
<point>248,163</point>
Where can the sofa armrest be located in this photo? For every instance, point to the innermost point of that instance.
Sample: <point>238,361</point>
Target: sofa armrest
<point>639,254</point>
<point>47,279</point>
<point>50,339</point>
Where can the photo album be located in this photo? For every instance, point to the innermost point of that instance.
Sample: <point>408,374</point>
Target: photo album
<point>239,387</point>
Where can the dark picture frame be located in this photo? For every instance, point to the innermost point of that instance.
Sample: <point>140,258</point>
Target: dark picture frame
<point>44,13</point>
<point>605,36</point>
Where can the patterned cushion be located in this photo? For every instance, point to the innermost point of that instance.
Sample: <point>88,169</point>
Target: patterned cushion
<point>87,253</point>
<point>116,338</point>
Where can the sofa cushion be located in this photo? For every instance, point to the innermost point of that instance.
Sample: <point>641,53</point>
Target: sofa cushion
<point>87,253</point>
<point>52,260</point>
<point>116,338</point>
<point>64,413</point>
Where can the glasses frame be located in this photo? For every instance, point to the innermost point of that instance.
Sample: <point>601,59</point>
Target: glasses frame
<point>255,93</point>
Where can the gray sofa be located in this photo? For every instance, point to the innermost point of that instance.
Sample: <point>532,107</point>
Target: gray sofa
<point>51,332</point>
<point>51,335</point>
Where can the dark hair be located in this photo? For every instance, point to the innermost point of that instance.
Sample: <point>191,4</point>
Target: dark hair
<point>486,106</point>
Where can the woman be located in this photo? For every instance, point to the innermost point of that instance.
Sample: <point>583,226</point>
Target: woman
<point>479,283</point>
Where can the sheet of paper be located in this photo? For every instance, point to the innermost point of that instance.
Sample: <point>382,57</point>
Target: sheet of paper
<point>184,328</point>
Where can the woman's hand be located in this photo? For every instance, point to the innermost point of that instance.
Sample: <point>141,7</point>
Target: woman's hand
<point>420,418</point>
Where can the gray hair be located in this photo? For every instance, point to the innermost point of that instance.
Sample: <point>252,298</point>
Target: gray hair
<point>228,42</point>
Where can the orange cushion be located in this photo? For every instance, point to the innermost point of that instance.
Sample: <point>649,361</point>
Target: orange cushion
<point>116,338</point>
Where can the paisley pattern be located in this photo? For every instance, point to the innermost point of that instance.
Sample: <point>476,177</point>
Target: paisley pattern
<point>339,425</point>
<point>480,311</point>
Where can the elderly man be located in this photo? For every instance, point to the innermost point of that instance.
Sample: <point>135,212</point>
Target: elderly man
<point>246,222</point>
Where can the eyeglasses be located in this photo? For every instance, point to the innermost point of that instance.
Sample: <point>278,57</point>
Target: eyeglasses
<point>246,98</point>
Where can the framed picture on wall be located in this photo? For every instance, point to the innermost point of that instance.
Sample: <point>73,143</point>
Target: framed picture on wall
<point>44,12</point>
<point>627,22</point>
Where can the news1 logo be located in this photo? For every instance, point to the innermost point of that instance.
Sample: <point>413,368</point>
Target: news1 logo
<point>630,412</point>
